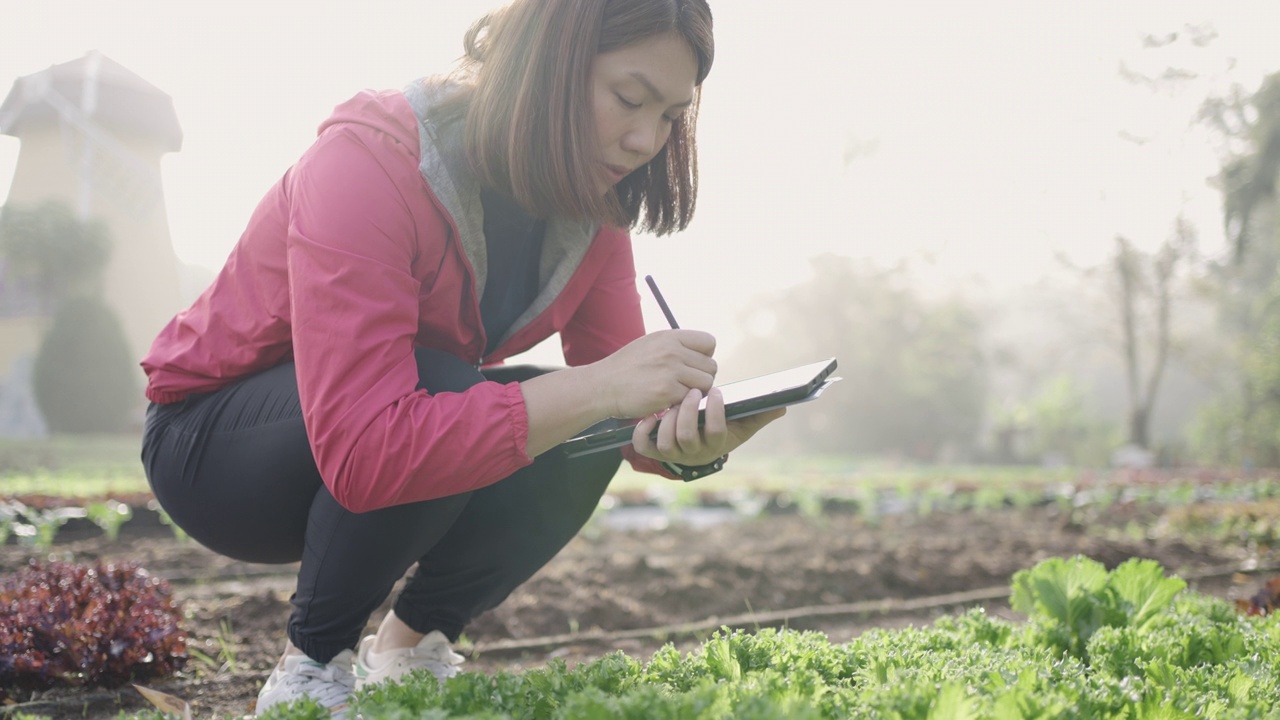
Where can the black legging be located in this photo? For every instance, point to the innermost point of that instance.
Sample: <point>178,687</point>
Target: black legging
<point>234,470</point>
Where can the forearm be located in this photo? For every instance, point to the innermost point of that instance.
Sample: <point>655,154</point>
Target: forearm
<point>562,404</point>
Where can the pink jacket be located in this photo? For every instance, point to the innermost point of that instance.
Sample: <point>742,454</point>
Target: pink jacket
<point>372,245</point>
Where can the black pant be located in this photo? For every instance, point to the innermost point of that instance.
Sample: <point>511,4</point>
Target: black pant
<point>234,470</point>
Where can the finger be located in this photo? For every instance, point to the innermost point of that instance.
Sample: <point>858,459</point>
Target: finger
<point>703,342</point>
<point>699,361</point>
<point>715,430</point>
<point>640,436</point>
<point>666,443</point>
<point>764,418</point>
<point>695,379</point>
<point>744,428</point>
<point>688,434</point>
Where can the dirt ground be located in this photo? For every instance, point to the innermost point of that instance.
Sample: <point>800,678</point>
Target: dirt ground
<point>836,573</point>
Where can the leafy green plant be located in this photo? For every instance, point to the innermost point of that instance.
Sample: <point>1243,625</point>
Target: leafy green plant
<point>226,657</point>
<point>10,512</point>
<point>1121,645</point>
<point>1069,600</point>
<point>42,528</point>
<point>109,515</point>
<point>178,533</point>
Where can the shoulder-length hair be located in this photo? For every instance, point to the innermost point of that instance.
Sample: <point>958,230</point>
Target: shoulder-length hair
<point>528,108</point>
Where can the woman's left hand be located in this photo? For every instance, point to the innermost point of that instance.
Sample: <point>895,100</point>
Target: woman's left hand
<point>681,441</point>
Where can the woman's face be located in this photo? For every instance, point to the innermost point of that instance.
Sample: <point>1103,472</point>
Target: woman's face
<point>637,92</point>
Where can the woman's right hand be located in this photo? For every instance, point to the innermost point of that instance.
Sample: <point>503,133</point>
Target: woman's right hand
<point>656,371</point>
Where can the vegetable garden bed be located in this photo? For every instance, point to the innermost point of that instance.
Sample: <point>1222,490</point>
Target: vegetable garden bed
<point>635,588</point>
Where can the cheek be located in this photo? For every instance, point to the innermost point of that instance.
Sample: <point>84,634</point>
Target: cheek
<point>666,136</point>
<point>606,127</point>
<point>601,117</point>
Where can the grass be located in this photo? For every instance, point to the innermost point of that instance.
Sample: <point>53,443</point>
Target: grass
<point>98,465</point>
<point>72,466</point>
<point>831,474</point>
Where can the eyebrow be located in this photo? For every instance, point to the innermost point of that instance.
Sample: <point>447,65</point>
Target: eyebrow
<point>653,89</point>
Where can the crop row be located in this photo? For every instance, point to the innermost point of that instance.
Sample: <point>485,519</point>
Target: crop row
<point>1123,644</point>
<point>1230,509</point>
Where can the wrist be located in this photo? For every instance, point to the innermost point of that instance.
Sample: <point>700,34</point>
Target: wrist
<point>594,379</point>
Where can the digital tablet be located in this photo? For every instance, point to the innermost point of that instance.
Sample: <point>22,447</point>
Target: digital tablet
<point>741,398</point>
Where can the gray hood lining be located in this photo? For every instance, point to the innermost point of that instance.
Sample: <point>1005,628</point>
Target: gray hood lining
<point>444,166</point>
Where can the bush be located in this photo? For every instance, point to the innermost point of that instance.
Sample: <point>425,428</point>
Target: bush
<point>86,626</point>
<point>85,379</point>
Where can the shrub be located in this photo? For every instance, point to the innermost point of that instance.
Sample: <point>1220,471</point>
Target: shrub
<point>84,377</point>
<point>86,626</point>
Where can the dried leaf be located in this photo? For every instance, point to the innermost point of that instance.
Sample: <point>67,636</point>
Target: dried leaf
<point>167,703</point>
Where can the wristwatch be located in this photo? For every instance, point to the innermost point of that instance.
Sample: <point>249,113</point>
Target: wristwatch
<point>692,472</point>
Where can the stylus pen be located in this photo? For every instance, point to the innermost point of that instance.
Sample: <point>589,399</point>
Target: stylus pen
<point>662,303</point>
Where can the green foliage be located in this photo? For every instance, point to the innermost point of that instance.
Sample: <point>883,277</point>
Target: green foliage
<point>1069,600</point>
<point>62,254</point>
<point>34,527</point>
<point>80,465</point>
<point>109,515</point>
<point>915,376</point>
<point>1243,425</point>
<point>85,379</point>
<point>1152,653</point>
<point>1249,179</point>
<point>1061,426</point>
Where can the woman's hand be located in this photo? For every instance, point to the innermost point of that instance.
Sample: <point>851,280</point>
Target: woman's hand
<point>648,374</point>
<point>680,440</point>
<point>656,371</point>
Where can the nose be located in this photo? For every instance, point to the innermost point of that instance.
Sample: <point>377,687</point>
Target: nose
<point>645,138</point>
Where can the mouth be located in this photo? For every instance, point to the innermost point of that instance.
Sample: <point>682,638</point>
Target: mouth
<point>617,172</point>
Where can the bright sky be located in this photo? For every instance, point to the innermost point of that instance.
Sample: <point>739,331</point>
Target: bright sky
<point>977,138</point>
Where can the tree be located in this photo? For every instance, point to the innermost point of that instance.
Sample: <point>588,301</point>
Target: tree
<point>1248,178</point>
<point>84,376</point>
<point>64,256</point>
<point>1147,280</point>
<point>914,370</point>
<point>84,379</point>
<point>1243,425</point>
<point>1063,428</point>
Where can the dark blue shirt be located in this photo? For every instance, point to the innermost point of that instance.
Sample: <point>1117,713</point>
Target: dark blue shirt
<point>513,241</point>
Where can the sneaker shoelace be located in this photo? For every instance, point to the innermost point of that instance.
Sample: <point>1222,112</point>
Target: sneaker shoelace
<point>439,658</point>
<point>335,686</point>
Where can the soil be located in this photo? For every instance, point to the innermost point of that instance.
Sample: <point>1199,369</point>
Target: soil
<point>620,588</point>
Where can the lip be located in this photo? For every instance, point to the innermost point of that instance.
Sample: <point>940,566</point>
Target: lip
<point>617,172</point>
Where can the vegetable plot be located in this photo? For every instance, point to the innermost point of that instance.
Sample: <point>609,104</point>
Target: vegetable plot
<point>1096,644</point>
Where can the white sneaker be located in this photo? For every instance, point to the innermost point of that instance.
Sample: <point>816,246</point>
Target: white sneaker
<point>330,685</point>
<point>432,653</point>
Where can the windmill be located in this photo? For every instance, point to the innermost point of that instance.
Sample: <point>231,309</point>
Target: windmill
<point>92,135</point>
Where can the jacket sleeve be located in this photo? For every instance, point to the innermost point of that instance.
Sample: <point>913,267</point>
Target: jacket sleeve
<point>378,441</point>
<point>609,318</point>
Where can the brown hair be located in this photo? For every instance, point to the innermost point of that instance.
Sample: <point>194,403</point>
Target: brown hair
<point>529,124</point>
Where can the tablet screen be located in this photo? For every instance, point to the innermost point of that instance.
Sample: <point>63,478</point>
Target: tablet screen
<point>800,378</point>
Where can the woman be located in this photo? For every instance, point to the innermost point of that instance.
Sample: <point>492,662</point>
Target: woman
<point>336,396</point>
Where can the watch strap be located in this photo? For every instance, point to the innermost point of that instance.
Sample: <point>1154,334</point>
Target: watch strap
<point>689,473</point>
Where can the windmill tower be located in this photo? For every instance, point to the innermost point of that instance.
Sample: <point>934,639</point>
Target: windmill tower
<point>92,135</point>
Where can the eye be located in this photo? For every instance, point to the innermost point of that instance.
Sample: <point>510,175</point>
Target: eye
<point>627,103</point>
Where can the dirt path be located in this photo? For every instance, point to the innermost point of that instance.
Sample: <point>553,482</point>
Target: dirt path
<point>610,581</point>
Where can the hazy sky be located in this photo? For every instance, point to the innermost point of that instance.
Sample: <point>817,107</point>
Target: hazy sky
<point>977,137</point>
